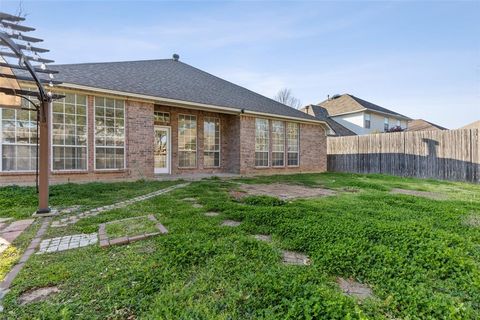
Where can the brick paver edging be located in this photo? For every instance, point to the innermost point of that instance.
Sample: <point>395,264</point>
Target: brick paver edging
<point>93,212</point>
<point>105,241</point>
<point>7,281</point>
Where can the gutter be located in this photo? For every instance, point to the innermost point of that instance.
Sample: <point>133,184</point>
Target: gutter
<point>183,104</point>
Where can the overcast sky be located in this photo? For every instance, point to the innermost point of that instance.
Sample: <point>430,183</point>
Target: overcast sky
<point>421,59</point>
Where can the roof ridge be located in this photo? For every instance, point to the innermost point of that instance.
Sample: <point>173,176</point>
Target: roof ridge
<point>110,62</point>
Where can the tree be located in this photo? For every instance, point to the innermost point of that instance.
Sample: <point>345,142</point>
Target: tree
<point>286,97</point>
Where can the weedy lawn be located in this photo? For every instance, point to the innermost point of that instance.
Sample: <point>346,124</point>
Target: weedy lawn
<point>420,256</point>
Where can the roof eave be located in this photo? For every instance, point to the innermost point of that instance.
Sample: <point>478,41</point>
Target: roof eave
<point>185,104</point>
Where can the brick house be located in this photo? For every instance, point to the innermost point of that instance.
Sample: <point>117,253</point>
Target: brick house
<point>142,119</point>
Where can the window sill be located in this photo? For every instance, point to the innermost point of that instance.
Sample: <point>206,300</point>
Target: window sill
<point>61,172</point>
<point>110,171</point>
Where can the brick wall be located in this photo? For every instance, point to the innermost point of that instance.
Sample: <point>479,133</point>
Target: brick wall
<point>237,147</point>
<point>313,149</point>
<point>228,141</point>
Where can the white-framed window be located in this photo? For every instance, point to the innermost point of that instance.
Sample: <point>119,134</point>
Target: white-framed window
<point>262,142</point>
<point>211,142</point>
<point>398,123</point>
<point>385,124</point>
<point>367,123</point>
<point>187,141</point>
<point>278,143</point>
<point>160,116</point>
<point>18,132</point>
<point>69,133</point>
<point>293,144</point>
<point>109,133</point>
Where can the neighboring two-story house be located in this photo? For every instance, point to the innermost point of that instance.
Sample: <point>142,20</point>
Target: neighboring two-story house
<point>359,116</point>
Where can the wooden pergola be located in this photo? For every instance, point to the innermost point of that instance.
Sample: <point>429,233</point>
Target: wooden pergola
<point>16,58</point>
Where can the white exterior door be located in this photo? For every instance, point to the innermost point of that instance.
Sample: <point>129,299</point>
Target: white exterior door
<point>162,152</point>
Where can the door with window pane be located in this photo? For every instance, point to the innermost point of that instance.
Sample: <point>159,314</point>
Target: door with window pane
<point>162,150</point>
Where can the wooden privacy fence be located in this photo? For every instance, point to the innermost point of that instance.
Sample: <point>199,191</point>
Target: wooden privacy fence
<point>449,154</point>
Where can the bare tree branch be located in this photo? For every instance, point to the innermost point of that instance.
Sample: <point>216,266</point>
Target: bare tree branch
<point>286,97</point>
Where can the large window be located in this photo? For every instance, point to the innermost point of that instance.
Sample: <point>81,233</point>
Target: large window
<point>18,139</point>
<point>262,142</point>
<point>211,138</point>
<point>187,141</point>
<point>69,133</point>
<point>109,133</point>
<point>292,144</point>
<point>278,144</point>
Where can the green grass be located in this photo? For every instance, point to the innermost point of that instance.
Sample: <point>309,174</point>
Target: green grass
<point>21,202</point>
<point>130,227</point>
<point>419,256</point>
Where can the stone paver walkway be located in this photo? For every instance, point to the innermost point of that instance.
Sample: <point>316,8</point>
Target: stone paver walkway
<point>93,212</point>
<point>10,232</point>
<point>67,242</point>
<point>263,237</point>
<point>7,281</point>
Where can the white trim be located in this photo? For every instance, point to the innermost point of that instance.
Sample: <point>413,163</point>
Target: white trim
<point>186,104</point>
<point>372,111</point>
<point>169,148</point>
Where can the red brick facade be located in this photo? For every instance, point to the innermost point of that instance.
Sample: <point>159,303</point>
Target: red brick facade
<point>237,154</point>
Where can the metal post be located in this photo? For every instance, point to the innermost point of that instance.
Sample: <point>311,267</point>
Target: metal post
<point>44,148</point>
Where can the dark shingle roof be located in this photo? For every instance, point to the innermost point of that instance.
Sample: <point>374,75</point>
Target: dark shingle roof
<point>322,114</point>
<point>171,79</point>
<point>347,103</point>
<point>423,125</point>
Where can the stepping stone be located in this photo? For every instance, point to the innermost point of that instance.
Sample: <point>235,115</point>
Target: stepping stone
<point>211,214</point>
<point>355,289</point>
<point>197,205</point>
<point>296,258</point>
<point>5,219</point>
<point>37,295</point>
<point>263,237</point>
<point>189,199</point>
<point>230,223</point>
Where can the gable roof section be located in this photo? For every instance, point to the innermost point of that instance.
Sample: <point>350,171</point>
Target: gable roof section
<point>423,125</point>
<point>322,114</point>
<point>166,78</point>
<point>347,103</point>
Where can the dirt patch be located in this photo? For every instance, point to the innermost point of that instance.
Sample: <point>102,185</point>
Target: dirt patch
<point>283,191</point>
<point>36,295</point>
<point>237,195</point>
<point>424,194</point>
<point>355,289</point>
<point>472,220</point>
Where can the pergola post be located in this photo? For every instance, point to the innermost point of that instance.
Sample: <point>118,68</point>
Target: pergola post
<point>43,159</point>
<point>13,38</point>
